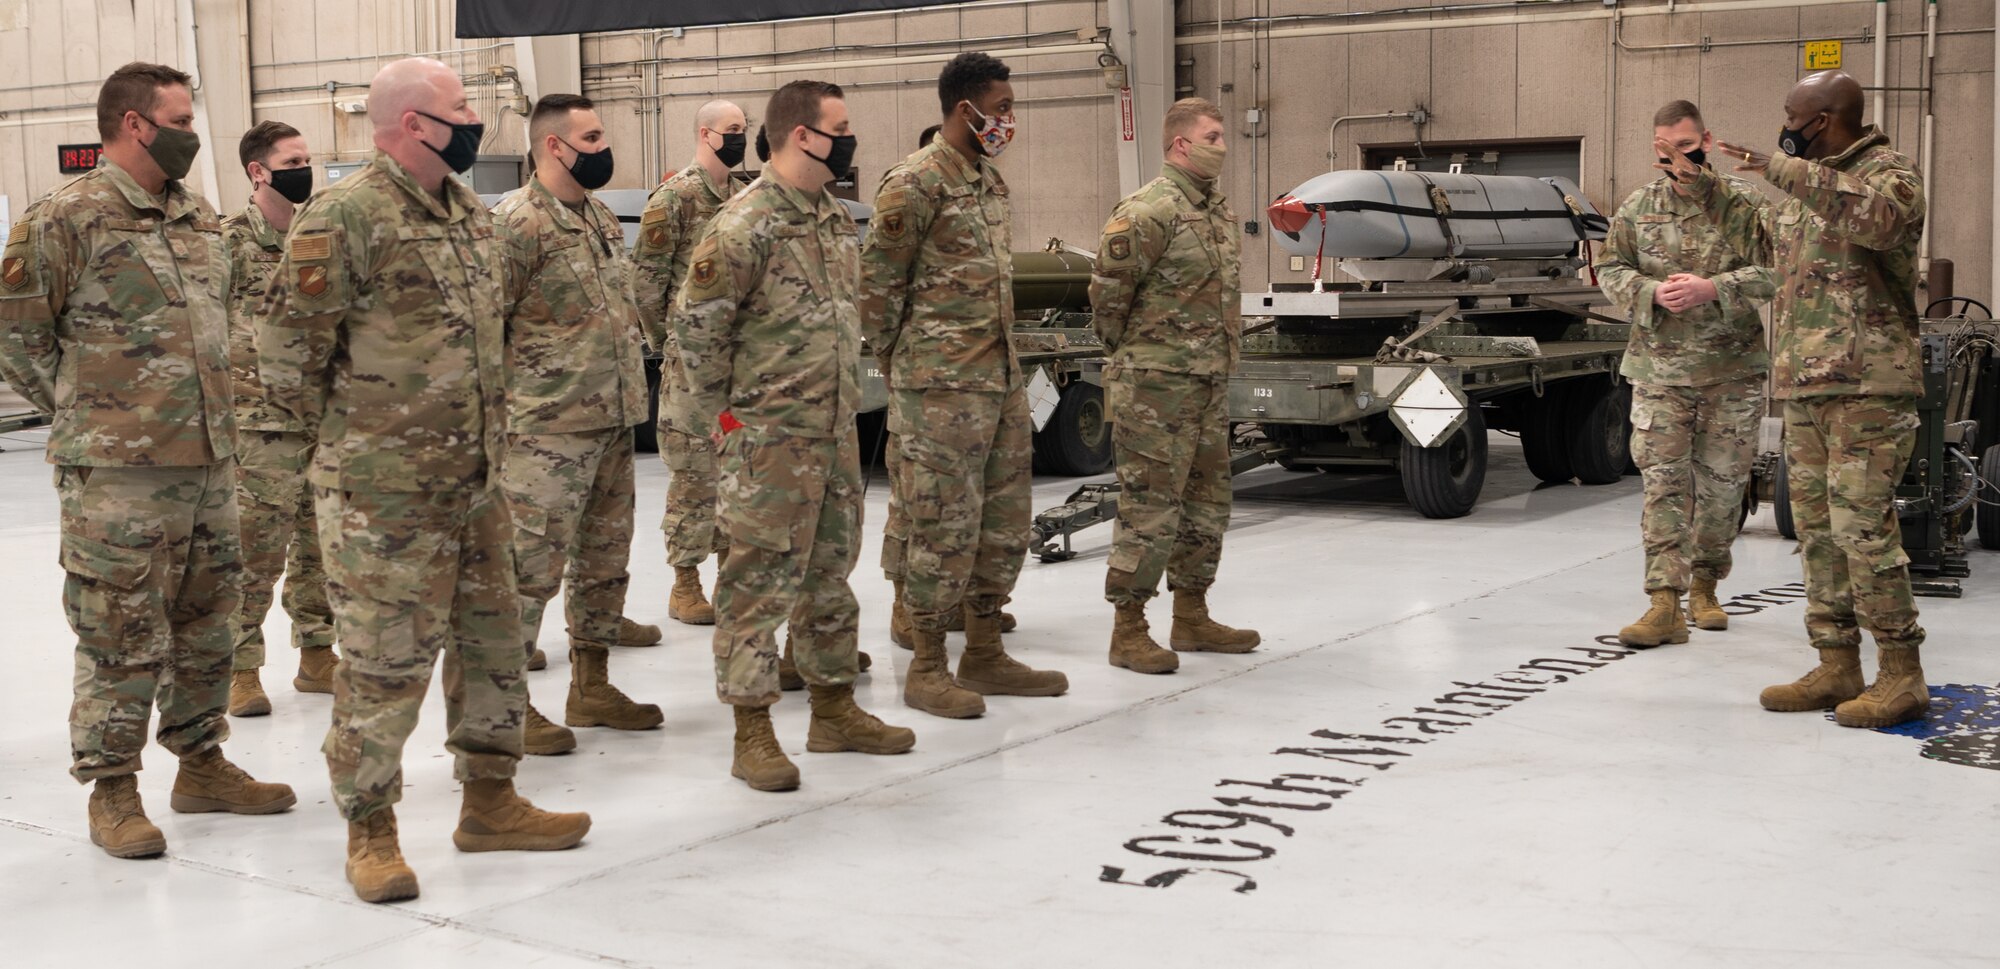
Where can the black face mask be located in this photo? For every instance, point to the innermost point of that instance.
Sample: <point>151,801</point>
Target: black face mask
<point>463,149</point>
<point>731,152</point>
<point>1793,141</point>
<point>592,171</point>
<point>295,184</point>
<point>840,157</point>
<point>763,148</point>
<point>1696,155</point>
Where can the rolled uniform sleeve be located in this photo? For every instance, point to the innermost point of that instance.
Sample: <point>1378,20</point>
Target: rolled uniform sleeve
<point>313,288</point>
<point>723,267</point>
<point>1618,272</point>
<point>1879,211</point>
<point>1132,242</point>
<point>896,232</point>
<point>37,272</point>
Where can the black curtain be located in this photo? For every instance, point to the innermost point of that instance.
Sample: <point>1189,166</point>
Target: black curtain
<point>528,18</point>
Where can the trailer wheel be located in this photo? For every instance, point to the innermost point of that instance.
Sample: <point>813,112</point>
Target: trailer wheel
<point>1989,491</point>
<point>1077,440</point>
<point>1545,434</point>
<point>1444,481</point>
<point>1781,501</point>
<point>1601,433</point>
<point>646,437</point>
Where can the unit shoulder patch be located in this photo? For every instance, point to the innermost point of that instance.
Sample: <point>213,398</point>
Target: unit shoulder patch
<point>13,272</point>
<point>312,280</point>
<point>707,273</point>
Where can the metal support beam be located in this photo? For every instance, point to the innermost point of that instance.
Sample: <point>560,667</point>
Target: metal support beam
<point>1142,35</point>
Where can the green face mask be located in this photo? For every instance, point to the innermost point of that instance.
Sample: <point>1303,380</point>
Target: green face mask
<point>173,149</point>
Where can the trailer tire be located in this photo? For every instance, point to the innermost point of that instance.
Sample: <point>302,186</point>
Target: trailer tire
<point>646,437</point>
<point>1545,434</point>
<point>1781,501</point>
<point>1989,492</point>
<point>1444,481</point>
<point>1077,439</point>
<point>1601,432</point>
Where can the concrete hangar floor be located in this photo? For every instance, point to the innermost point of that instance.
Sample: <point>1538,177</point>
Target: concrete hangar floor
<point>1640,810</point>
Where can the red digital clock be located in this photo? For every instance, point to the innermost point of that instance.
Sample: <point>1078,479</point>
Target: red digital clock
<point>77,159</point>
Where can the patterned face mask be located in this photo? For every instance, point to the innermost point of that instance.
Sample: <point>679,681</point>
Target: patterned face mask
<point>994,134</point>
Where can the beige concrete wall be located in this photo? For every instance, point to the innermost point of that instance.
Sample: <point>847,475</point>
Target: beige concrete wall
<point>1062,167</point>
<point>1568,80</point>
<point>1532,80</point>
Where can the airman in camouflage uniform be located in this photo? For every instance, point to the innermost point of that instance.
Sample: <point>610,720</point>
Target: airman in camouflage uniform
<point>1846,363</point>
<point>675,215</point>
<point>936,303</point>
<point>1697,365</point>
<point>280,537</point>
<point>385,331</point>
<point>1164,298</point>
<point>114,321</point>
<point>769,335</point>
<point>576,384</point>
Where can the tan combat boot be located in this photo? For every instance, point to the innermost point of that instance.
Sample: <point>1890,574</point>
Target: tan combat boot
<point>901,632</point>
<point>1836,680</point>
<point>1132,647</point>
<point>494,818</point>
<point>538,660</point>
<point>637,633</point>
<point>543,737</point>
<point>246,695</point>
<point>1704,608</point>
<point>685,602</point>
<point>315,670</point>
<point>1898,694</point>
<point>118,821</point>
<point>209,782</point>
<point>1663,623</point>
<point>929,687</point>
<point>838,724</point>
<point>594,702</point>
<point>986,668</point>
<point>759,761</point>
<point>375,865</point>
<point>1194,632</point>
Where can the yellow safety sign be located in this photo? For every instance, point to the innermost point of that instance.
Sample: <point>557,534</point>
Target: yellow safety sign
<point>1822,55</point>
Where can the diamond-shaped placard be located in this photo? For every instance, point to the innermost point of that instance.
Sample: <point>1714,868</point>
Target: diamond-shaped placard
<point>1428,409</point>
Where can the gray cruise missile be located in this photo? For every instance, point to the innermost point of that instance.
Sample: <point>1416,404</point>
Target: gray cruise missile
<point>1432,215</point>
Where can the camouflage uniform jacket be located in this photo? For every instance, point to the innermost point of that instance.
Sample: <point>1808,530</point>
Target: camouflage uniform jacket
<point>1166,293</point>
<point>674,217</point>
<point>1658,233</point>
<point>1844,247</point>
<point>255,247</point>
<point>937,294</point>
<point>573,357</point>
<point>114,320</point>
<point>384,328</point>
<point>766,322</point>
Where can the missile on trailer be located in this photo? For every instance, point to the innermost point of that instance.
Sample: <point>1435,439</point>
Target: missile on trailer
<point>1433,215</point>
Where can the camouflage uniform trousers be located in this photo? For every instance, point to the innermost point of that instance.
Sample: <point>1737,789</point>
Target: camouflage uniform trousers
<point>965,485</point>
<point>413,575</point>
<point>571,497</point>
<point>1844,457</point>
<point>1170,437</point>
<point>280,539</point>
<point>154,572</point>
<point>792,508</point>
<point>896,527</point>
<point>689,521</point>
<point>1694,447</point>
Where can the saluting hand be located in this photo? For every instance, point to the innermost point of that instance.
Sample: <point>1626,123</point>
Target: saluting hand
<point>1677,163</point>
<point>1750,161</point>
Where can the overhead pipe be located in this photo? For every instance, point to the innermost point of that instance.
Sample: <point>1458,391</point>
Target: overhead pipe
<point>938,58</point>
<point>1418,117</point>
<point>1513,19</point>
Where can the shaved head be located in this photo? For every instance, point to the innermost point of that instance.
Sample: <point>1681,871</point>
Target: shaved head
<point>1835,92</point>
<point>412,84</point>
<point>718,115</point>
